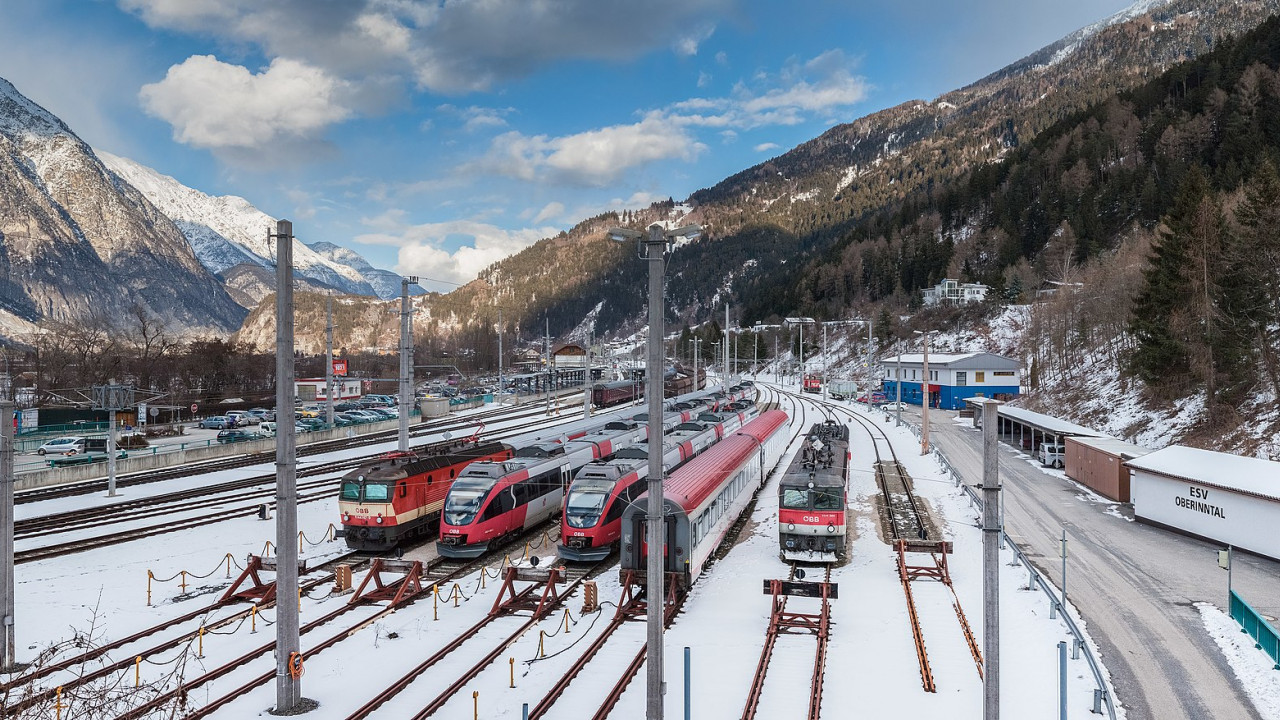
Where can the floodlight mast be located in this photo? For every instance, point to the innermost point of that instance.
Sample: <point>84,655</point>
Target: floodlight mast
<point>652,248</point>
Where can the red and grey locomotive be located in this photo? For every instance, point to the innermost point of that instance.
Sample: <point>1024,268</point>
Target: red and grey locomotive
<point>398,495</point>
<point>812,496</point>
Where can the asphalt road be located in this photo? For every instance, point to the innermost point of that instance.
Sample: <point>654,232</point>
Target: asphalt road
<point>1134,584</point>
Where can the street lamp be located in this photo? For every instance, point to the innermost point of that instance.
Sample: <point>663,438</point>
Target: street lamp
<point>801,321</point>
<point>652,248</point>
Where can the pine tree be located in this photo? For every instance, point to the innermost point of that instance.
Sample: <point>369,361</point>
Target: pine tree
<point>1254,261</point>
<point>1162,353</point>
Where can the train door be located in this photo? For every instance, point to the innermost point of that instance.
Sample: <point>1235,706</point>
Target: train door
<point>675,550</point>
<point>633,544</point>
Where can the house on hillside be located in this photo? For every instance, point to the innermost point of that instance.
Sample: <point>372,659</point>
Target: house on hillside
<point>953,377</point>
<point>954,292</point>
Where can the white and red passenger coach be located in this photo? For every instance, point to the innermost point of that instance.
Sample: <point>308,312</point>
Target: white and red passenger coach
<point>702,499</point>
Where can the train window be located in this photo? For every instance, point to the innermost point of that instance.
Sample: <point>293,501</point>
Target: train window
<point>350,491</point>
<point>377,492</point>
<point>795,499</point>
<point>827,500</point>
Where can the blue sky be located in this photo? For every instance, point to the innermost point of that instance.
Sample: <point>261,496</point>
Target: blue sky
<point>437,137</point>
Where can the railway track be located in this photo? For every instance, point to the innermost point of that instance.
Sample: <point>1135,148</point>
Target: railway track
<point>782,623</point>
<point>250,489</point>
<point>258,458</point>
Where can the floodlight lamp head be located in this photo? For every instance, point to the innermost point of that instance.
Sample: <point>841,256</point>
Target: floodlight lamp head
<point>624,234</point>
<point>688,232</point>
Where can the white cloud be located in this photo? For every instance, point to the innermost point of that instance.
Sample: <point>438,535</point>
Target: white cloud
<point>688,44</point>
<point>422,247</point>
<point>212,104</point>
<point>722,59</point>
<point>595,157</point>
<point>444,47</point>
<point>765,147</point>
<point>552,210</point>
<point>704,79</point>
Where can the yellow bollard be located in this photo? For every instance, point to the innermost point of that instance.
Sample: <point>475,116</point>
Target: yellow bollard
<point>57,703</point>
<point>228,566</point>
<point>541,635</point>
<point>435,602</point>
<point>184,582</point>
<point>137,671</point>
<point>566,621</point>
<point>150,577</point>
<point>299,599</point>
<point>253,618</point>
<point>200,637</point>
<point>457,594</point>
<point>506,561</point>
<point>526,550</point>
<point>299,542</point>
<point>484,575</point>
<point>512,661</point>
<point>475,702</point>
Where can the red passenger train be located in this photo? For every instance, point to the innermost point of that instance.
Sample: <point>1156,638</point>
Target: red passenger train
<point>702,500</point>
<point>813,494</point>
<point>592,518</point>
<point>398,495</point>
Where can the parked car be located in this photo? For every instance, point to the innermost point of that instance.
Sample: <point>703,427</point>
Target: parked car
<point>236,435</point>
<point>267,428</point>
<point>243,418</point>
<point>217,422</point>
<point>384,413</point>
<point>1052,454</point>
<point>62,446</point>
<point>263,414</point>
<point>895,406</point>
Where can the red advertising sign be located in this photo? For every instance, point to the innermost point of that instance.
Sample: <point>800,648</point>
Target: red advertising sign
<point>339,367</point>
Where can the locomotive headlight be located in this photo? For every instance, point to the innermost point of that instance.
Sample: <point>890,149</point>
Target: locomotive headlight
<point>831,528</point>
<point>791,526</point>
<point>346,517</point>
<point>378,520</point>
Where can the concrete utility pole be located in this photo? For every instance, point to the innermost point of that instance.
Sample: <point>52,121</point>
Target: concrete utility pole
<point>654,245</point>
<point>328,363</point>
<point>406,362</point>
<point>777,364</point>
<point>500,387</point>
<point>802,357</point>
<point>924,410</point>
<point>825,375</point>
<point>288,687</point>
<point>990,563</point>
<point>897,386</point>
<point>546,355</point>
<point>8,626</point>
<point>696,342</point>
<point>586,383</point>
<point>755,359</point>
<point>724,383</point>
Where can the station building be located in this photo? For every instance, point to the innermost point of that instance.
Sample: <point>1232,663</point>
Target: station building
<point>952,378</point>
<point>1230,499</point>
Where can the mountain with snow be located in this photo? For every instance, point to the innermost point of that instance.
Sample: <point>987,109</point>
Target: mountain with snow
<point>227,231</point>
<point>77,243</point>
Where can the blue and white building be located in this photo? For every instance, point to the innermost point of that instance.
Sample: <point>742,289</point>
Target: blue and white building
<point>953,377</point>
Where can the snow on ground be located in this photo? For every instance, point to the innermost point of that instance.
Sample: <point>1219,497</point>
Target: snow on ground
<point>1255,670</point>
<point>871,662</point>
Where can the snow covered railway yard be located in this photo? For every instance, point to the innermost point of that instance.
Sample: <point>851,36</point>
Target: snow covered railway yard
<point>871,661</point>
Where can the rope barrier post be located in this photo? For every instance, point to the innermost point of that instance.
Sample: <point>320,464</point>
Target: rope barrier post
<point>541,635</point>
<point>475,705</point>
<point>299,542</point>
<point>137,671</point>
<point>526,550</point>
<point>228,566</point>
<point>484,574</point>
<point>505,561</point>
<point>566,621</point>
<point>512,662</point>
<point>253,618</point>
<point>57,703</point>
<point>150,577</point>
<point>184,582</point>
<point>200,640</point>
<point>457,594</point>
<point>435,602</point>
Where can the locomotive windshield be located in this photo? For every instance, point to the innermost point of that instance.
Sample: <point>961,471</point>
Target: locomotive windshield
<point>377,492</point>
<point>586,502</point>
<point>351,490</point>
<point>465,499</point>
<point>828,500</point>
<point>795,499</point>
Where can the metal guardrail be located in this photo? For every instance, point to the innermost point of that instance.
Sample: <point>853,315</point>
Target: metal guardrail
<point>1101,694</point>
<point>1256,626</point>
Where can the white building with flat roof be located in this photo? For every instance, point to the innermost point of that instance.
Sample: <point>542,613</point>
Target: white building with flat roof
<point>955,292</point>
